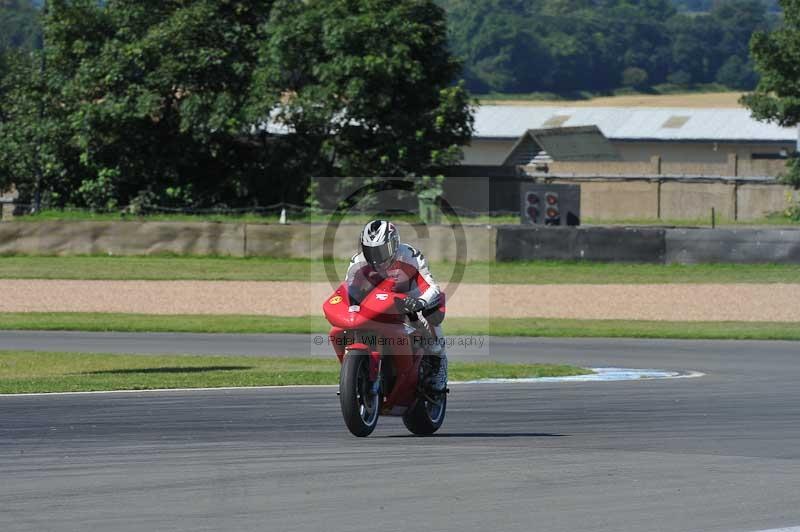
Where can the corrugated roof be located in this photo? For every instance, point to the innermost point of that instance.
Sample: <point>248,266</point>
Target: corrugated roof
<point>632,123</point>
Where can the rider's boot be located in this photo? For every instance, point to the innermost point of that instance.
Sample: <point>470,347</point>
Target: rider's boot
<point>438,353</point>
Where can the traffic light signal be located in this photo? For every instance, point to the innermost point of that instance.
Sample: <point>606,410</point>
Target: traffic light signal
<point>553,204</point>
<point>552,212</point>
<point>532,206</point>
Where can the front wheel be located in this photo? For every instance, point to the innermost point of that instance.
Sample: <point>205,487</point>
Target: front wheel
<point>427,415</point>
<point>360,407</point>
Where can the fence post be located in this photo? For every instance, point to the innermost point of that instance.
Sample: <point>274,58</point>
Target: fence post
<point>7,213</point>
<point>658,200</point>
<point>733,164</point>
<point>655,162</point>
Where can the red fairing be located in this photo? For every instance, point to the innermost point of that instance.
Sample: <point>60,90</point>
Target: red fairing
<point>370,318</point>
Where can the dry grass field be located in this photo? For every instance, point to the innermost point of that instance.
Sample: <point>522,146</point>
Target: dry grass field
<point>699,100</point>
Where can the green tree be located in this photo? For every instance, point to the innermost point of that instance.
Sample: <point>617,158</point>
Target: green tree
<point>368,84</point>
<point>776,56</point>
<point>736,74</point>
<point>634,77</point>
<point>508,57</point>
<point>227,102</point>
<point>139,98</point>
<point>586,45</point>
<point>737,21</point>
<point>19,25</point>
<point>501,49</point>
<point>162,96</point>
<point>694,58</point>
<point>35,137</point>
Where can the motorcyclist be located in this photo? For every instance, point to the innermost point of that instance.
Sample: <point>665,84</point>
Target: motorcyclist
<point>383,256</point>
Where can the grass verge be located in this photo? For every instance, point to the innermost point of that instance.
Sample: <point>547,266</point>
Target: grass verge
<point>29,372</point>
<point>80,215</point>
<point>83,215</point>
<point>776,219</point>
<point>532,327</point>
<point>270,269</point>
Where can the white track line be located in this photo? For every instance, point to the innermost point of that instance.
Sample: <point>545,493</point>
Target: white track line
<point>162,390</point>
<point>600,375</point>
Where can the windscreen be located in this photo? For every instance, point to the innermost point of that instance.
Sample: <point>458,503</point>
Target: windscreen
<point>361,285</point>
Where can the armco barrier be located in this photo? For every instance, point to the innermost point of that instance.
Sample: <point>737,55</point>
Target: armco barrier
<point>615,244</point>
<point>483,243</point>
<point>749,246</point>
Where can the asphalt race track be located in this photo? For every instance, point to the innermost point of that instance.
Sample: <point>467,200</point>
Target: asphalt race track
<point>720,452</point>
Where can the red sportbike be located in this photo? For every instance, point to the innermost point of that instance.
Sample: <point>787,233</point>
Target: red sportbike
<point>383,361</point>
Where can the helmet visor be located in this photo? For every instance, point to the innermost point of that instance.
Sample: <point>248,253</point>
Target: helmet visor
<point>377,255</point>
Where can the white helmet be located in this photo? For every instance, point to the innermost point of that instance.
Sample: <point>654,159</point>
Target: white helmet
<point>379,243</point>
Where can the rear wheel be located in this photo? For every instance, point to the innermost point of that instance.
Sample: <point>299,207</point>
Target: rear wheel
<point>360,407</point>
<point>427,415</point>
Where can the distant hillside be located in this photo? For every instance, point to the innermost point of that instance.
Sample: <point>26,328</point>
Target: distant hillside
<point>567,46</point>
<point>564,46</point>
<point>19,24</point>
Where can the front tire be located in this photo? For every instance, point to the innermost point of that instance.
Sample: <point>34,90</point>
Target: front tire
<point>360,408</point>
<point>425,417</point>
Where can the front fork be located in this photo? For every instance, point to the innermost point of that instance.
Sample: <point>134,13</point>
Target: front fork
<point>375,363</point>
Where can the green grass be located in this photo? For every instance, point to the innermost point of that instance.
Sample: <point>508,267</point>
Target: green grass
<point>268,269</point>
<point>99,322</point>
<point>563,328</point>
<point>82,215</point>
<point>160,268</point>
<point>453,326</point>
<point>30,372</point>
<point>771,220</point>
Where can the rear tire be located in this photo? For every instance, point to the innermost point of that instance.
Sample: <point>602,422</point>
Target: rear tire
<point>425,418</point>
<point>360,408</point>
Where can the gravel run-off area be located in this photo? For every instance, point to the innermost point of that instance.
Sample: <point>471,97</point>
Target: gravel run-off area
<point>671,302</point>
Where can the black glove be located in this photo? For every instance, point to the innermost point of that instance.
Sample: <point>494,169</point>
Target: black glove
<point>411,304</point>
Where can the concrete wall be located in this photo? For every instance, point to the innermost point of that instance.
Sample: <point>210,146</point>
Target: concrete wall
<point>120,238</point>
<point>637,158</point>
<point>483,243</point>
<point>699,152</point>
<point>237,240</point>
<point>695,152</point>
<point>731,165</point>
<point>751,246</point>
<point>760,167</point>
<point>691,201</point>
<point>614,244</point>
<point>679,199</point>
<point>649,245</point>
<point>618,200</point>
<point>604,168</point>
<point>753,200</point>
<point>440,242</point>
<point>487,151</point>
